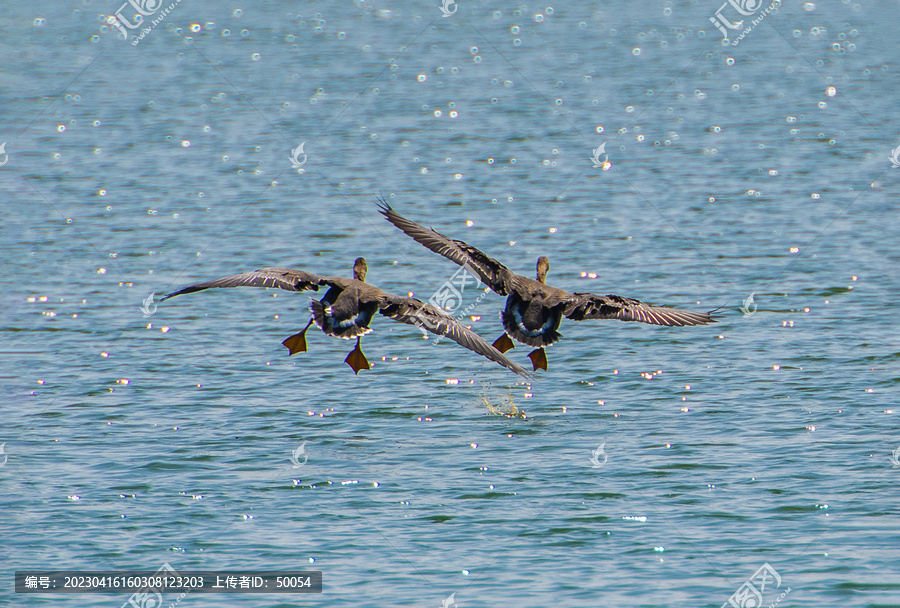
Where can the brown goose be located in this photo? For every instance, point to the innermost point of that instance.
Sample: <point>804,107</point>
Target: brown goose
<point>533,309</point>
<point>348,307</point>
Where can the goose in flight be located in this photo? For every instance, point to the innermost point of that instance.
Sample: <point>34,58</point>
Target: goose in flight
<point>349,306</point>
<point>534,309</point>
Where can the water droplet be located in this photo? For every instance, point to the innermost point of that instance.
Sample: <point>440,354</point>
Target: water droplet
<point>636,51</point>
<point>809,7</point>
<point>237,13</point>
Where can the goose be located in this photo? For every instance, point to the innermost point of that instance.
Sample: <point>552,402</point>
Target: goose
<point>534,310</point>
<point>349,306</point>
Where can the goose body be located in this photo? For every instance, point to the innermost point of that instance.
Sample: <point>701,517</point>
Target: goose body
<point>350,305</point>
<point>534,310</point>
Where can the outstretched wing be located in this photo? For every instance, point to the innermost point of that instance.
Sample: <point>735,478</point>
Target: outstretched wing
<point>494,274</point>
<point>282,278</point>
<point>430,318</point>
<point>582,306</point>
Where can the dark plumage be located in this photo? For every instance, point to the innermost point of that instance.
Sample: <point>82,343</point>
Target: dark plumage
<point>348,307</point>
<point>534,310</point>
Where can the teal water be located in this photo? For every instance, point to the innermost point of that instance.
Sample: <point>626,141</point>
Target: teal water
<point>133,441</point>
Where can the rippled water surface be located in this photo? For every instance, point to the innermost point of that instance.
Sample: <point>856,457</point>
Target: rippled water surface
<point>648,467</point>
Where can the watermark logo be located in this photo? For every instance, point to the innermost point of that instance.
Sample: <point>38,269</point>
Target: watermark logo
<point>449,298</point>
<point>296,454</point>
<point>6,156</point>
<point>445,8</point>
<point>149,306</point>
<point>750,594</point>
<point>749,306</point>
<point>151,598</point>
<point>894,157</point>
<point>595,158</point>
<point>144,8</point>
<point>450,602</point>
<point>744,8</point>
<point>895,458</point>
<point>596,463</point>
<point>3,455</point>
<point>295,155</point>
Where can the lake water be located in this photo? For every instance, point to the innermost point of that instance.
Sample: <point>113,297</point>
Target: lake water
<point>652,466</point>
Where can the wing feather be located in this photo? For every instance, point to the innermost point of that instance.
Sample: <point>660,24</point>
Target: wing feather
<point>281,278</point>
<point>583,306</point>
<point>430,318</point>
<point>494,274</point>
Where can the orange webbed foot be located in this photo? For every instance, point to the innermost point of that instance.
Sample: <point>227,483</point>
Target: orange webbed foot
<point>503,343</point>
<point>297,343</point>
<point>538,359</point>
<point>357,360</point>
